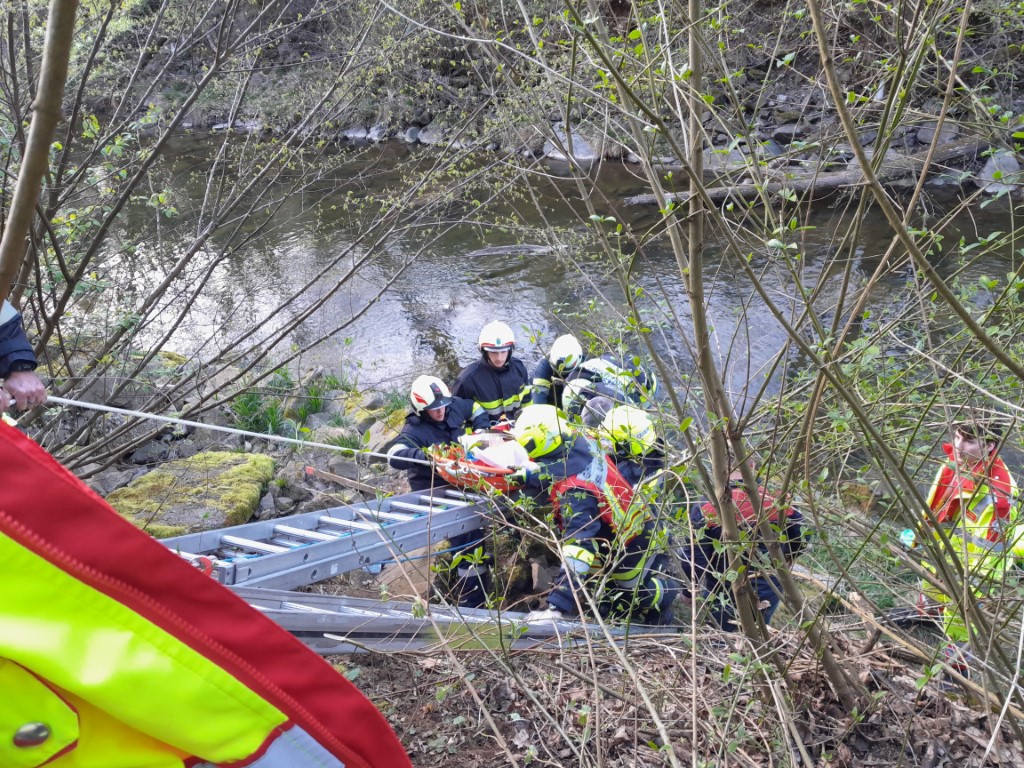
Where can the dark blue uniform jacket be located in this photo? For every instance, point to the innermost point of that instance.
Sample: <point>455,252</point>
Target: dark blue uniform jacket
<point>14,344</point>
<point>422,432</point>
<point>499,392</point>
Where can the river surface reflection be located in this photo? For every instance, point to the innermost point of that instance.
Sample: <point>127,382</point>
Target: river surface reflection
<point>428,319</point>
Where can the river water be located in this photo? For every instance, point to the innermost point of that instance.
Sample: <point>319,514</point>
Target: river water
<point>428,320</point>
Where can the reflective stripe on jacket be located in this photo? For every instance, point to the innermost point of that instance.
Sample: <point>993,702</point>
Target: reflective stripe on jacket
<point>500,393</point>
<point>614,497</point>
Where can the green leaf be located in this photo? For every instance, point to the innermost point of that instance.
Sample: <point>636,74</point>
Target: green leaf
<point>352,674</point>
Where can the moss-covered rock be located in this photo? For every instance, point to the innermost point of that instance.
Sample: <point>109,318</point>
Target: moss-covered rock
<point>209,490</point>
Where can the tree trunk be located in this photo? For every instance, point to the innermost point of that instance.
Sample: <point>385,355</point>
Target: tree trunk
<point>60,25</point>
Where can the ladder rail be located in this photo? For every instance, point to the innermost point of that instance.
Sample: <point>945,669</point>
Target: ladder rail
<point>314,546</point>
<point>334,625</point>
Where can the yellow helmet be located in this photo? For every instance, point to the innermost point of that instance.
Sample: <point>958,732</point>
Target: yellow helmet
<point>631,430</point>
<point>541,429</point>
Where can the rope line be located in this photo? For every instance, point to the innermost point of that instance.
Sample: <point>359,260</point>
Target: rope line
<point>54,400</point>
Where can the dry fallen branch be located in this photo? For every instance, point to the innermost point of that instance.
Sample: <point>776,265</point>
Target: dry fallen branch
<point>818,184</point>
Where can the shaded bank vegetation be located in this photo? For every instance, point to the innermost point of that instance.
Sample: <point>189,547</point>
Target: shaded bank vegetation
<point>854,394</point>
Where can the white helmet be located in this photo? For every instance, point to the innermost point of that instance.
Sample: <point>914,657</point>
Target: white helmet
<point>428,393</point>
<point>566,354</point>
<point>496,336</point>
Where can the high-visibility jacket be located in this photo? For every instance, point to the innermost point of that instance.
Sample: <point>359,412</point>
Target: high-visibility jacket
<point>116,653</point>
<point>978,506</point>
<point>614,497</point>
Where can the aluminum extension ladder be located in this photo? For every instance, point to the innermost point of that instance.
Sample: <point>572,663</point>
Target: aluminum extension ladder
<point>296,551</point>
<point>333,625</point>
<point>262,561</point>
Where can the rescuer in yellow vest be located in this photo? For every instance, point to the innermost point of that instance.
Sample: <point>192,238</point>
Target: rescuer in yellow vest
<point>975,500</point>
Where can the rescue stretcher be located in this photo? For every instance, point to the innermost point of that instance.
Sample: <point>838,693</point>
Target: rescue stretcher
<point>482,461</point>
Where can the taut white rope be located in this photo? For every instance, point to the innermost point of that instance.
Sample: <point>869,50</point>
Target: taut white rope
<point>53,400</point>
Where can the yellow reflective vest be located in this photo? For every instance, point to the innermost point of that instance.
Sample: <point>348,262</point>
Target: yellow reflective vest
<point>116,653</point>
<point>979,508</point>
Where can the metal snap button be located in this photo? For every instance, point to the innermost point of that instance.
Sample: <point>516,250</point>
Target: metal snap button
<point>31,735</point>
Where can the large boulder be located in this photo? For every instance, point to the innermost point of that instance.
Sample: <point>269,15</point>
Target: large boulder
<point>210,490</point>
<point>1002,173</point>
<point>581,150</point>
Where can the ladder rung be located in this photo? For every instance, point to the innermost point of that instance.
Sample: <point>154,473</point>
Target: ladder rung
<point>352,524</point>
<point>255,546</point>
<point>304,607</point>
<point>453,493</point>
<point>287,542</point>
<point>376,514</point>
<point>423,510</point>
<point>303,533</point>
<point>446,503</point>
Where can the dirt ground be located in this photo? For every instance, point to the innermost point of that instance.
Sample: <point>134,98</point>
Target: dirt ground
<point>699,697</point>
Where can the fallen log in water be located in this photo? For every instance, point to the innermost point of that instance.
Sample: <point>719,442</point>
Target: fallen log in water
<point>819,183</point>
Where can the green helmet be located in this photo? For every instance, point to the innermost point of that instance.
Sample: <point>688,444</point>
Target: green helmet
<point>541,429</point>
<point>631,430</point>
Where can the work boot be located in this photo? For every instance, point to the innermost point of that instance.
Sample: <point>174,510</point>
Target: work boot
<point>958,658</point>
<point>923,612</point>
<point>472,586</point>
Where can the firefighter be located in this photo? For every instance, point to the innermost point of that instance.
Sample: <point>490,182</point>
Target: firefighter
<point>630,437</point>
<point>630,382</point>
<point>550,375</point>
<point>498,382</point>
<point>437,419</point>
<point>604,533</point>
<point>567,378</point>
<point>975,499</point>
<point>706,562</point>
